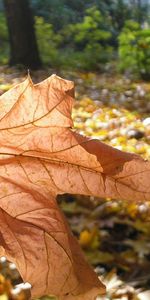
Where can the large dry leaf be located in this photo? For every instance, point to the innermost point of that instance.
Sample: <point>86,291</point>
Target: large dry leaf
<point>41,157</point>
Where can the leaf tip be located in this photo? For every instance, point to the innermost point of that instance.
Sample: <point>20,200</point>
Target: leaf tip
<point>29,77</point>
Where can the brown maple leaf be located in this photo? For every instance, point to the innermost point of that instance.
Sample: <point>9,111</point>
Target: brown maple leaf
<point>41,157</point>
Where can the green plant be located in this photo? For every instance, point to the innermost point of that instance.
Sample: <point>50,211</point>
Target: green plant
<point>4,47</point>
<point>134,50</point>
<point>47,41</point>
<point>89,40</point>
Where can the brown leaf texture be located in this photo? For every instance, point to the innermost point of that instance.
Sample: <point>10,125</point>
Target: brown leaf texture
<point>41,157</point>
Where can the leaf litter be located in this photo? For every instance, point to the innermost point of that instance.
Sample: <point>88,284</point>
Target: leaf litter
<point>115,237</point>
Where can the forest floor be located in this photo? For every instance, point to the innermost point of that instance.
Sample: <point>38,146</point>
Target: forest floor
<point>114,235</point>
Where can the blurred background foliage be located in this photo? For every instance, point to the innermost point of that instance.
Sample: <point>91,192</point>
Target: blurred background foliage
<point>90,35</point>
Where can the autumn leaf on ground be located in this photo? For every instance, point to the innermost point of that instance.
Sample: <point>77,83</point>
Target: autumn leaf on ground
<point>41,157</point>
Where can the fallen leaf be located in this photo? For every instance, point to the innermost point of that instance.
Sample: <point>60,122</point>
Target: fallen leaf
<point>41,157</point>
<point>144,295</point>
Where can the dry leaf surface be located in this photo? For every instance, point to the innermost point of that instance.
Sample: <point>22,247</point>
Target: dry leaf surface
<point>41,157</point>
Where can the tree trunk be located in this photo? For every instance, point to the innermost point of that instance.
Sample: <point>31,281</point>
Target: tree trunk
<point>23,46</point>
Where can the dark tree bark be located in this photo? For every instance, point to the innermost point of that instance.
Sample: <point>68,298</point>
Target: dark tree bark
<point>23,46</point>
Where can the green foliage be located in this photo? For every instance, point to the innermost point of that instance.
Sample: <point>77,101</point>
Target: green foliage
<point>89,40</point>
<point>127,47</point>
<point>134,50</point>
<point>4,48</point>
<point>47,41</point>
<point>83,34</point>
<point>91,29</point>
<point>74,45</point>
<point>71,11</point>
